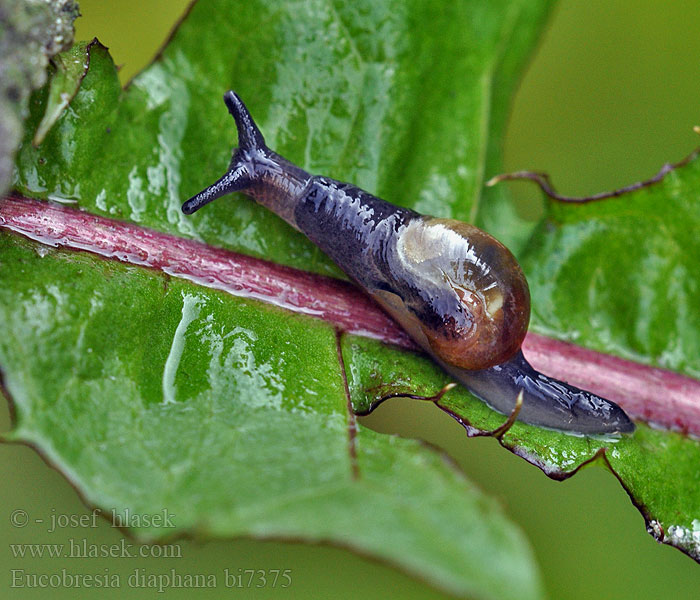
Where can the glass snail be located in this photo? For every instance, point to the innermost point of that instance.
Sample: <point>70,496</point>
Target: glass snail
<point>458,292</point>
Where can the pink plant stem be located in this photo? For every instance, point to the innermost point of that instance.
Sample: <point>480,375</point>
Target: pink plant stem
<point>650,394</point>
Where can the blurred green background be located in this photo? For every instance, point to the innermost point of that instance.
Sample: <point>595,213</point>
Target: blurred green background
<point>611,94</point>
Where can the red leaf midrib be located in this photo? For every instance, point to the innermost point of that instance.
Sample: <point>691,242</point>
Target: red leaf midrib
<point>647,393</point>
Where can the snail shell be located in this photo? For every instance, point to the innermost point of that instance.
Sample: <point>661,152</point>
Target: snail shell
<point>457,291</point>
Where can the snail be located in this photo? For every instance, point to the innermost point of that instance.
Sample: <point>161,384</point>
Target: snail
<point>458,292</point>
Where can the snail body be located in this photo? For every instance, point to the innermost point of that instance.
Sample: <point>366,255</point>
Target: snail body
<point>458,292</point>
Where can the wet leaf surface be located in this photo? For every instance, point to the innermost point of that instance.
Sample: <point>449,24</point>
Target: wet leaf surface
<point>253,386</point>
<point>231,413</point>
<point>154,394</point>
<point>659,469</point>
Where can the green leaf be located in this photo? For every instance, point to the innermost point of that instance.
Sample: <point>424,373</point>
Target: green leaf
<point>659,469</point>
<point>156,395</point>
<point>374,109</point>
<point>632,264</point>
<point>152,393</point>
<point>31,33</point>
<point>71,67</point>
<point>620,276</point>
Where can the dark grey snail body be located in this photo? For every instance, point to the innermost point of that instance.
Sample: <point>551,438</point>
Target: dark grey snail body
<point>457,291</point>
